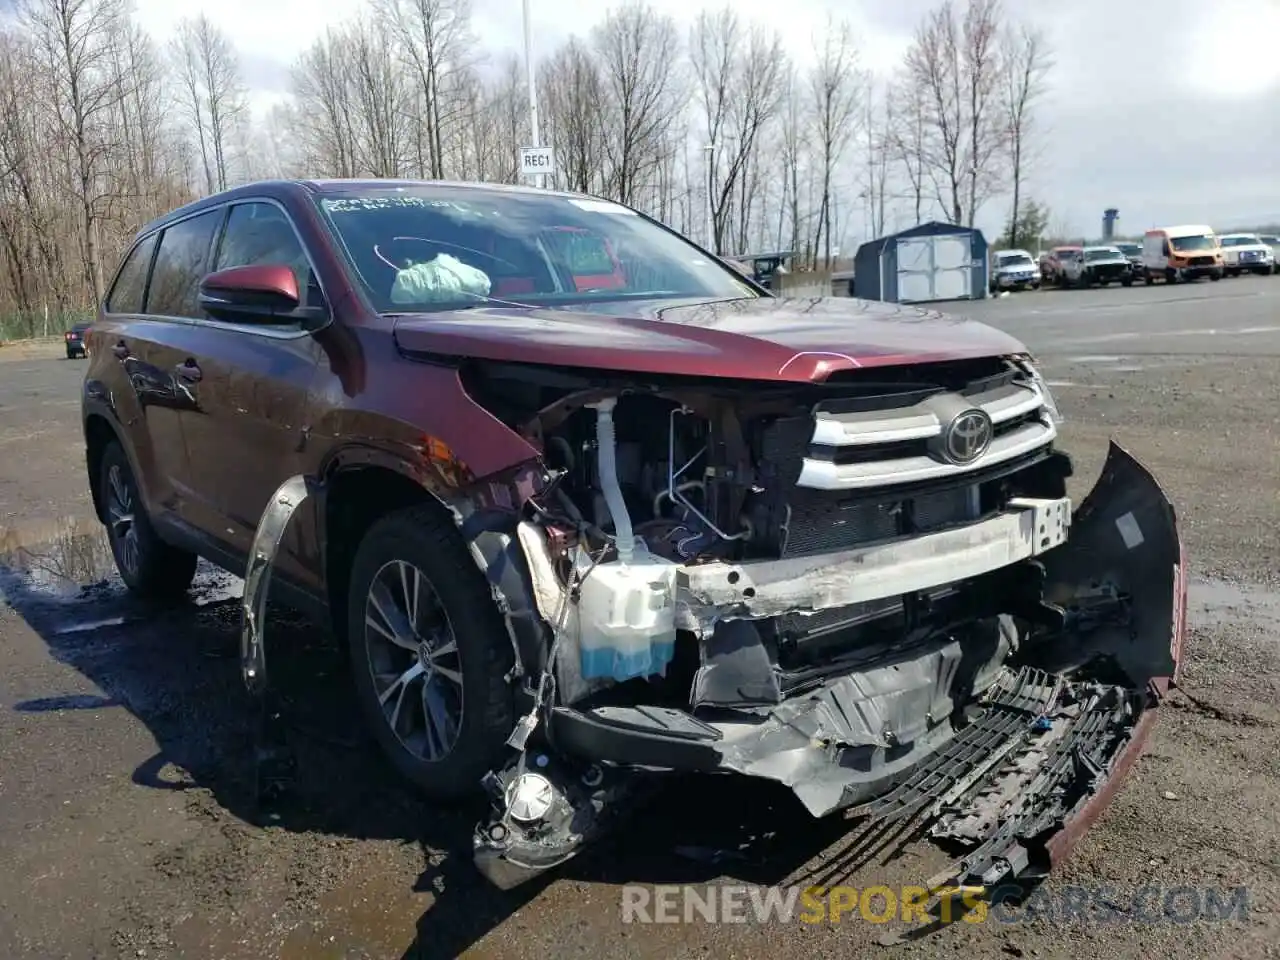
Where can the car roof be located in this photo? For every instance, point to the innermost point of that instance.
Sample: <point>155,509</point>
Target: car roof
<point>278,189</point>
<point>1104,246</point>
<point>1238,236</point>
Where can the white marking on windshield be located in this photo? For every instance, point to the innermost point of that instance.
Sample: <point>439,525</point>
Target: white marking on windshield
<point>601,206</point>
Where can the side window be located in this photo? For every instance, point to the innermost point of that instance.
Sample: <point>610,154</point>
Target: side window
<point>131,282</point>
<point>260,233</point>
<point>180,266</point>
<point>1164,248</point>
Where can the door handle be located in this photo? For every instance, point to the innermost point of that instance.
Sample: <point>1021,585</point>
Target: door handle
<point>188,371</point>
<point>121,350</point>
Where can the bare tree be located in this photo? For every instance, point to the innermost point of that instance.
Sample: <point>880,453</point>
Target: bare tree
<point>834,90</point>
<point>352,103</point>
<point>75,38</point>
<point>739,72</point>
<point>954,61</point>
<point>908,137</point>
<point>432,36</point>
<point>880,127</point>
<point>213,94</point>
<point>791,155</point>
<point>636,49</point>
<point>1026,64</point>
<point>572,90</point>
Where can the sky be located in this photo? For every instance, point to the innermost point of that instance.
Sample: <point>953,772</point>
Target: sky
<point>1168,111</point>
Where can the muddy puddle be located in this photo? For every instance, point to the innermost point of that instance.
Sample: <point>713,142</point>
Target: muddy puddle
<point>64,572</point>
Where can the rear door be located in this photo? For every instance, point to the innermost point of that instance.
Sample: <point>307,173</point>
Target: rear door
<point>245,436</point>
<point>136,353</point>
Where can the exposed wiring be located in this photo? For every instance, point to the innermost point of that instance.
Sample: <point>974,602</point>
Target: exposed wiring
<point>531,719</point>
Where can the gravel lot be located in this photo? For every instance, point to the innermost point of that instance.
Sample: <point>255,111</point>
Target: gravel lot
<point>124,740</point>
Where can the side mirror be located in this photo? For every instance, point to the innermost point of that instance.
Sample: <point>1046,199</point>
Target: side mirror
<point>259,293</point>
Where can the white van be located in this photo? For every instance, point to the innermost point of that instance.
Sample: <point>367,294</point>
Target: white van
<point>1181,253</point>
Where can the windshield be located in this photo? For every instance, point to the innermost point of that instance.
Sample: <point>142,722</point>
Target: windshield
<point>442,248</point>
<point>1193,243</point>
<point>1101,253</point>
<point>1239,241</point>
<point>1129,249</point>
<point>1015,260</point>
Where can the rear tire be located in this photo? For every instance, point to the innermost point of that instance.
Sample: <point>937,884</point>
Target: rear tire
<point>148,566</point>
<point>1127,282</point>
<point>436,697</point>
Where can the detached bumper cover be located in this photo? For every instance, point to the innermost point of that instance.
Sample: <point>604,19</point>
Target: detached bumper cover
<point>1004,740</point>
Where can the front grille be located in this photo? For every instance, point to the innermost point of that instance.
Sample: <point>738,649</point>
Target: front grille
<point>1201,261</point>
<point>862,469</point>
<point>821,522</point>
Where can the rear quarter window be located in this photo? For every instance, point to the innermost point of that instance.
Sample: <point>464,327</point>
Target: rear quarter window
<point>180,266</point>
<point>130,288</point>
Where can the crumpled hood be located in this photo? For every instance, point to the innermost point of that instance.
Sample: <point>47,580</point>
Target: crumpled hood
<point>757,339</point>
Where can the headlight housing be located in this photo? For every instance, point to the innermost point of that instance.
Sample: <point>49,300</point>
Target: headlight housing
<point>1028,366</point>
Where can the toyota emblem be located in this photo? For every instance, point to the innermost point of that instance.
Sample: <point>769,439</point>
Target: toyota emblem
<point>967,437</point>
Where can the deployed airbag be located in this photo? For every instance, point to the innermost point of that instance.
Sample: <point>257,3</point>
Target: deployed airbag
<point>442,279</point>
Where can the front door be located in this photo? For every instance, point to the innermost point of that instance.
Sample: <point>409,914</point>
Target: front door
<point>246,437</point>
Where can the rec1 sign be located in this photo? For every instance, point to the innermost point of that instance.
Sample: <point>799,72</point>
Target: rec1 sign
<point>536,160</point>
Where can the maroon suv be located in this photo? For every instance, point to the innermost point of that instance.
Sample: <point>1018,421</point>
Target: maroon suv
<point>587,507</point>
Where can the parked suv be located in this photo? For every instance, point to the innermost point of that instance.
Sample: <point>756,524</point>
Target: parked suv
<point>73,340</point>
<point>1013,270</point>
<point>575,533</point>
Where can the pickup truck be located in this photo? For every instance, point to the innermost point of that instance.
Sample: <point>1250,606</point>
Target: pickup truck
<point>1246,253</point>
<point>1100,265</point>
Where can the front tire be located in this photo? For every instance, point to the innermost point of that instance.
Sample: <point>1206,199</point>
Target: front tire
<point>429,653</point>
<point>148,566</point>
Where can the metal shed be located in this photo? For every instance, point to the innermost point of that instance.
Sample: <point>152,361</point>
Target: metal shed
<point>923,264</point>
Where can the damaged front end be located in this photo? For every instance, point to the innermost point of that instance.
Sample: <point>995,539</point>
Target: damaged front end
<point>816,590</point>
<point>872,590</point>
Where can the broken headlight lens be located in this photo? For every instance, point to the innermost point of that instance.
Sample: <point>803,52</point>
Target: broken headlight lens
<point>1038,379</point>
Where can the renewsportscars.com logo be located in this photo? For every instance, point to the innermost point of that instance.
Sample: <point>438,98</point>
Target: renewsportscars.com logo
<point>734,903</point>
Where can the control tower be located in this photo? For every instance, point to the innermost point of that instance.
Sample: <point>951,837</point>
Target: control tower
<point>1109,218</point>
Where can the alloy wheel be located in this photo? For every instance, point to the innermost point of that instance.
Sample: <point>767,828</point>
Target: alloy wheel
<point>413,660</point>
<point>122,520</point>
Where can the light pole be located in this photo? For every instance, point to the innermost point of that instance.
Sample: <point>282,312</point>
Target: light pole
<point>539,179</point>
<point>709,153</point>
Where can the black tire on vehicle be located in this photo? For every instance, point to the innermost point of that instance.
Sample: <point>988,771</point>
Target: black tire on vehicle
<point>148,566</point>
<point>1148,278</point>
<point>441,712</point>
<point>1127,282</point>
<point>1171,276</point>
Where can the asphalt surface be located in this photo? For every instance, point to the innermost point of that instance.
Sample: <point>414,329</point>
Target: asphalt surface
<point>126,828</point>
